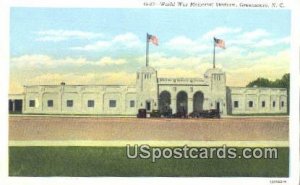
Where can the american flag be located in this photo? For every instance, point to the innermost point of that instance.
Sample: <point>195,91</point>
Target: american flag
<point>219,43</point>
<point>153,39</point>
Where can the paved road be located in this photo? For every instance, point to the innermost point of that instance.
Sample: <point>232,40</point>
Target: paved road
<point>108,129</point>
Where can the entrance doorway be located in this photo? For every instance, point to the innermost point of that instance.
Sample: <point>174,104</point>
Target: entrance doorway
<point>182,102</point>
<point>164,101</point>
<point>148,105</point>
<point>218,106</point>
<point>15,106</point>
<point>198,100</point>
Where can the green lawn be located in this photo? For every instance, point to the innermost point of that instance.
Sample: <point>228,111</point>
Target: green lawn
<point>112,161</point>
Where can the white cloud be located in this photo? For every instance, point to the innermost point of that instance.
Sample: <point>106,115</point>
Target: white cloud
<point>272,42</point>
<point>109,61</point>
<point>185,44</point>
<point>243,60</point>
<point>250,38</point>
<point>62,35</point>
<point>256,39</point>
<point>71,78</point>
<point>221,31</point>
<point>240,69</point>
<point>45,61</point>
<point>236,41</point>
<point>93,47</point>
<point>267,66</point>
<point>127,40</point>
<point>254,35</point>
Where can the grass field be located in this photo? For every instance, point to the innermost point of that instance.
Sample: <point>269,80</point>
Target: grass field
<point>112,161</point>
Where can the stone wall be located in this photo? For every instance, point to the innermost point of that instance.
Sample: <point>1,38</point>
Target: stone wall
<point>89,99</point>
<point>257,100</point>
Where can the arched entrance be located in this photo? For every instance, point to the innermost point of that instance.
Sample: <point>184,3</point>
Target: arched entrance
<point>182,102</point>
<point>198,101</point>
<point>164,101</point>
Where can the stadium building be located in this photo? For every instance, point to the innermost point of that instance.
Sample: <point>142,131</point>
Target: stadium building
<point>151,93</point>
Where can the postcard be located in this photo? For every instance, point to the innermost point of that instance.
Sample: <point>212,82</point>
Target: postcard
<point>153,89</point>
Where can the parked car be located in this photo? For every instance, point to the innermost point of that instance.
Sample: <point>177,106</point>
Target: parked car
<point>213,113</point>
<point>142,113</point>
<point>155,114</point>
<point>166,113</point>
<point>180,114</point>
<point>194,114</point>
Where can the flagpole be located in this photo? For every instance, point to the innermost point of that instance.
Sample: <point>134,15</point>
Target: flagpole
<point>214,59</point>
<point>147,50</point>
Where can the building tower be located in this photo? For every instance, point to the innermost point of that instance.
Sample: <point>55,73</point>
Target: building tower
<point>217,83</point>
<point>146,84</point>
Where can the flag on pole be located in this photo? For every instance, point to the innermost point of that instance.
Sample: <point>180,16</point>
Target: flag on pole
<point>219,43</point>
<point>153,39</point>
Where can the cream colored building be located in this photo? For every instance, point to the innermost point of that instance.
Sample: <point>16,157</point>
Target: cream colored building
<point>152,93</point>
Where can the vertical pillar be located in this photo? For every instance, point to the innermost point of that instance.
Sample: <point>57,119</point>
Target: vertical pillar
<point>206,104</point>
<point>257,103</point>
<point>155,104</point>
<point>60,102</point>
<point>245,103</point>
<point>40,104</point>
<point>13,106</point>
<point>82,105</point>
<point>190,105</point>
<point>125,104</point>
<point>279,103</point>
<point>173,105</point>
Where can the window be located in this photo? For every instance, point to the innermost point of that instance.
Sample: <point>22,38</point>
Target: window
<point>250,103</point>
<point>112,103</point>
<point>31,103</point>
<point>274,103</point>
<point>91,103</point>
<point>69,103</point>
<point>132,103</point>
<point>236,104</point>
<point>50,103</point>
<point>282,103</point>
<point>263,104</point>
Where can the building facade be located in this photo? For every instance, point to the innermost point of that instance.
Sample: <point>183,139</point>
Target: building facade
<point>150,93</point>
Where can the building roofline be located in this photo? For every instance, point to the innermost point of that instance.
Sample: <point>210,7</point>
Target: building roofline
<point>79,85</point>
<point>257,87</point>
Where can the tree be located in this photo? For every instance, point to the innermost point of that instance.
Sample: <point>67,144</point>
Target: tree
<point>260,82</point>
<point>284,82</point>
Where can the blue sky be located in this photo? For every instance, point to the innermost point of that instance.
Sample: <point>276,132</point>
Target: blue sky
<point>69,43</point>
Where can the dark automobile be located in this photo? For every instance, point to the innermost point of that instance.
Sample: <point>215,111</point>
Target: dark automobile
<point>213,113</point>
<point>155,114</point>
<point>142,113</point>
<point>166,113</point>
<point>194,114</point>
<point>180,114</point>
